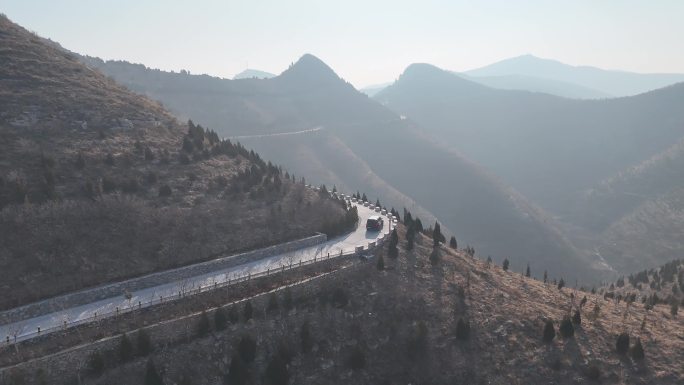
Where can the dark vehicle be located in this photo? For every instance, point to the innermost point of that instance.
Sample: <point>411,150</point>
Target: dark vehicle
<point>374,223</point>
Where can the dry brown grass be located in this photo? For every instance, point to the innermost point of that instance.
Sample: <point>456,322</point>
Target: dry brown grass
<point>506,312</point>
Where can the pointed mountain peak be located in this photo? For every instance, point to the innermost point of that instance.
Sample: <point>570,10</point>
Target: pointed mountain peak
<point>310,69</point>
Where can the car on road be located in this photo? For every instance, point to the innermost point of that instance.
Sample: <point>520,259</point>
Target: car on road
<point>374,223</point>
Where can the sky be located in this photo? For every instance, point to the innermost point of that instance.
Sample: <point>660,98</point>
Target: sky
<point>366,42</point>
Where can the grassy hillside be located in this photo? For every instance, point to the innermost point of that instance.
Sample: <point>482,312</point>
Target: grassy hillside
<point>99,184</point>
<point>401,325</point>
<point>359,144</point>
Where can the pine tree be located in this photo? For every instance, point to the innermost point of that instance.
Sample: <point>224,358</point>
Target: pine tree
<point>144,343</point>
<point>566,329</point>
<point>220,319</point>
<point>546,277</point>
<point>248,311</point>
<point>452,243</point>
<point>527,271</point>
<point>561,284</point>
<point>203,324</point>
<point>577,318</point>
<point>622,343</point>
<point>381,263</point>
<point>549,331</point>
<point>505,264</point>
<point>437,236</point>
<point>462,329</point>
<point>125,349</point>
<point>637,350</point>
<point>152,376</point>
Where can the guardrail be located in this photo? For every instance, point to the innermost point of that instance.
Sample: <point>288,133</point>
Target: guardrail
<point>216,284</point>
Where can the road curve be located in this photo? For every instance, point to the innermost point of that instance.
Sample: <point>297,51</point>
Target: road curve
<point>29,328</point>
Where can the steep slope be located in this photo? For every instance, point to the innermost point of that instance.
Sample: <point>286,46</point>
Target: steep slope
<point>310,96</point>
<point>456,320</point>
<point>549,148</point>
<point>99,184</point>
<point>617,83</point>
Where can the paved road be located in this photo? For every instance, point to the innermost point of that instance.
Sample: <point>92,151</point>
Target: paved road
<point>27,329</point>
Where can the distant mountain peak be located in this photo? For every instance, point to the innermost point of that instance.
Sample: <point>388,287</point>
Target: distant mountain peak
<point>250,73</point>
<point>310,70</point>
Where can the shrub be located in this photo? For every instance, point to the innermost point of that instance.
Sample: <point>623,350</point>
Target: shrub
<point>247,348</point>
<point>462,329</point>
<point>96,364</point>
<point>356,359</point>
<point>220,319</point>
<point>593,372</point>
<point>566,329</point>
<point>248,311</point>
<point>276,371</point>
<point>152,376</point>
<point>149,155</point>
<point>577,318</point>
<point>109,160</point>
<point>549,331</point>
<point>144,343</point>
<point>622,343</point>
<point>125,349</point>
<point>637,350</point>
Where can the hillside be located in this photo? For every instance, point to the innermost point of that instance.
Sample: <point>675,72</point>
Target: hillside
<point>589,163</point>
<point>252,73</point>
<point>401,325</point>
<point>99,184</point>
<point>615,83</point>
<point>538,84</point>
<point>388,154</point>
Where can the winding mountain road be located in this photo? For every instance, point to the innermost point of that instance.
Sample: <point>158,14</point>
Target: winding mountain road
<point>55,321</point>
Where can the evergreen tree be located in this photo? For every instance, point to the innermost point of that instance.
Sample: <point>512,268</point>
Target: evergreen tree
<point>381,263</point>
<point>549,331</point>
<point>306,338</point>
<point>452,243</point>
<point>577,318</point>
<point>247,311</point>
<point>364,198</point>
<point>527,271</point>
<point>505,264</point>
<point>220,319</point>
<point>247,349</point>
<point>462,329</point>
<point>437,235</point>
<point>566,329</point>
<point>152,376</point>
<point>561,284</point>
<point>637,350</point>
<point>276,371</point>
<point>203,324</point>
<point>622,343</point>
<point>546,277</point>
<point>125,348</point>
<point>144,343</point>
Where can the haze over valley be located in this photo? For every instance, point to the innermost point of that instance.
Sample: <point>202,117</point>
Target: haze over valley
<point>488,216</point>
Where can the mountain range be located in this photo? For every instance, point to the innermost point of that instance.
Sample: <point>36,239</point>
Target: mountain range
<point>391,157</point>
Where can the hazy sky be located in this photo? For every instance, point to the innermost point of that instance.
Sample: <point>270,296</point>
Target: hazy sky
<point>365,42</point>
